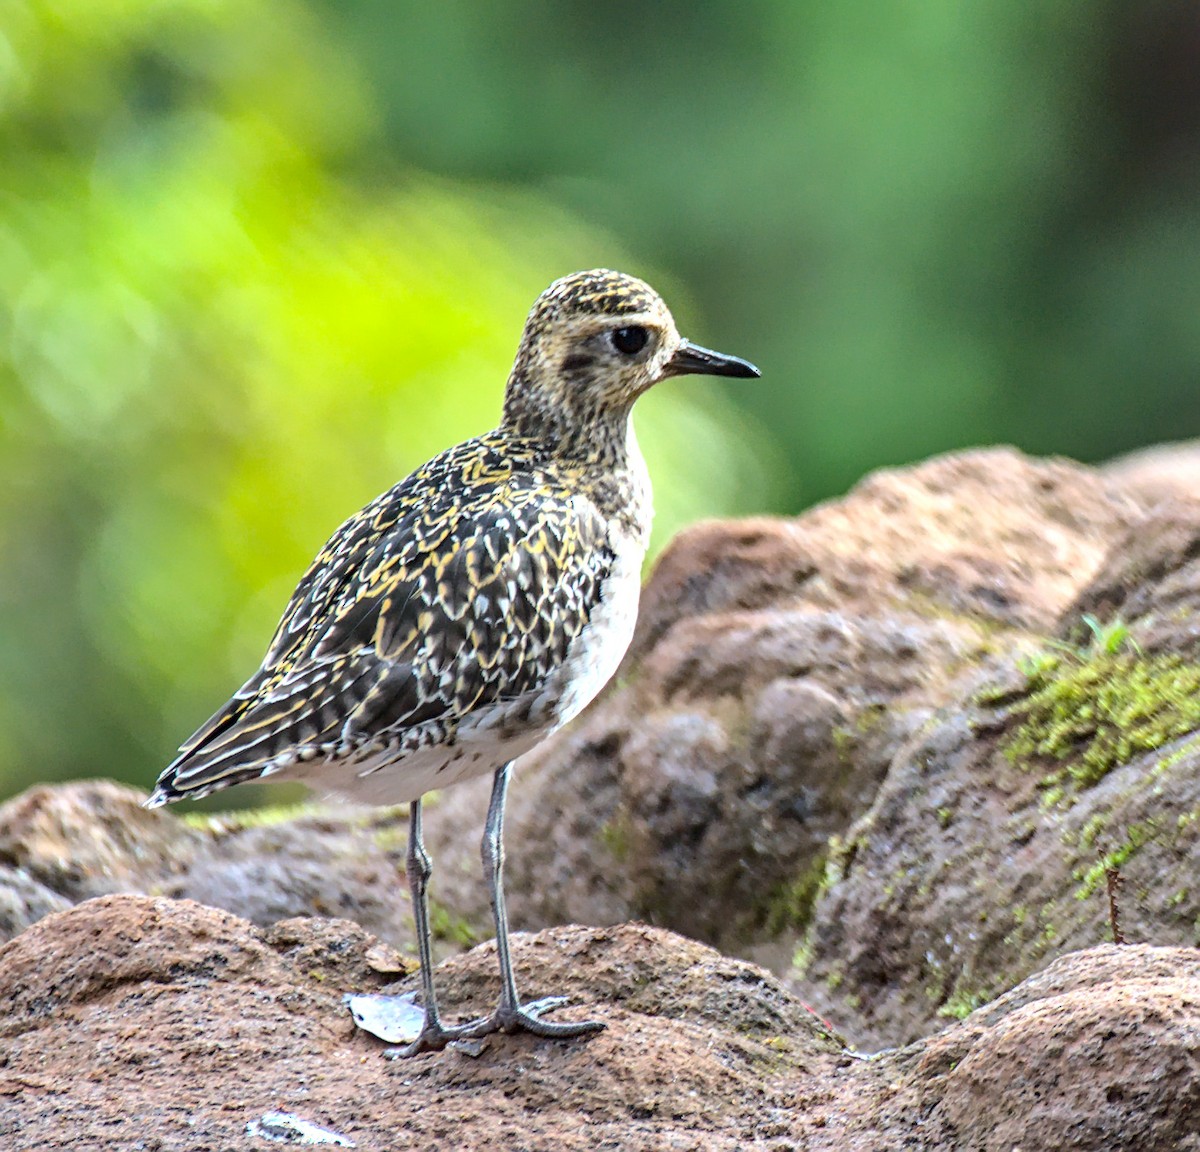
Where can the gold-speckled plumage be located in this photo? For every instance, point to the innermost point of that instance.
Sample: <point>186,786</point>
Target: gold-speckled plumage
<point>458,591</point>
<point>475,607</point>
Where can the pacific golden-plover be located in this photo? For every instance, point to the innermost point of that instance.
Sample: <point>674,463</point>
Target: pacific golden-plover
<point>474,608</point>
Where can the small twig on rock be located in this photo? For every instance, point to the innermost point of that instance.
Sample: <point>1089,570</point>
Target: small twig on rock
<point>1114,880</point>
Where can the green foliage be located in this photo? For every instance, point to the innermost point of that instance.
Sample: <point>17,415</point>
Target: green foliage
<point>219,336</point>
<point>614,835</point>
<point>1111,637</point>
<point>266,816</point>
<point>963,1002</point>
<point>445,925</point>
<point>934,224</point>
<point>258,258</point>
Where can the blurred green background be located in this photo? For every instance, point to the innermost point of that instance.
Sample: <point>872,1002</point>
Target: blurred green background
<point>259,258</point>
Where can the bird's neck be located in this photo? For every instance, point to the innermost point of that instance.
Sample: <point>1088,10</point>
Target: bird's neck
<point>600,449</point>
<point>572,433</point>
<point>620,489</point>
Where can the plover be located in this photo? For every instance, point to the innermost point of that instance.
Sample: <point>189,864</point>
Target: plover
<point>477,606</point>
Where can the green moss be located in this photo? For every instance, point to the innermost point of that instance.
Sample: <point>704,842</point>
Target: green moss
<point>839,856</point>
<point>1027,931</point>
<point>962,1003</point>
<point>1186,749</point>
<point>843,743</point>
<point>830,866</point>
<point>1092,878</point>
<point>1053,796</point>
<point>789,906</point>
<point>614,835</point>
<point>1088,833</point>
<point>803,956</point>
<point>869,719</point>
<point>223,823</point>
<point>1090,712</point>
<point>391,837</point>
<point>446,926</point>
<point>944,816</point>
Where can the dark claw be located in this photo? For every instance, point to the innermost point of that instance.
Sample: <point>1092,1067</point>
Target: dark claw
<point>528,1018</point>
<point>436,1038</point>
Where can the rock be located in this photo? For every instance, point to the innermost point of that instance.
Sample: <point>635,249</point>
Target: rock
<point>778,668</point>
<point>1150,581</point>
<point>223,1023</point>
<point>139,1022</point>
<point>23,901</point>
<point>91,838</point>
<point>1162,472</point>
<point>988,534</point>
<point>1099,1051</point>
<point>344,863</point>
<point>68,842</point>
<point>961,880</point>
<point>983,854</point>
<point>896,740</point>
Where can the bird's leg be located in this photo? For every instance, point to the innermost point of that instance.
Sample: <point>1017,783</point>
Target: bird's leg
<point>434,1035</point>
<point>510,1015</point>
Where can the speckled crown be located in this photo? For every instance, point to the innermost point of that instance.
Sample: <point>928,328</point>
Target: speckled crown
<point>598,291</point>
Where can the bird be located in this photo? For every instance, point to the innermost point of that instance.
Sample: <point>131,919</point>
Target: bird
<point>473,609</point>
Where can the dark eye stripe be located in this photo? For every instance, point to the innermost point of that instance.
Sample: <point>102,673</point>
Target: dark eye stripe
<point>577,362</point>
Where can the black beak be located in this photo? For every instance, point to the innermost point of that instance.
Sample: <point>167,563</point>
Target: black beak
<point>691,359</point>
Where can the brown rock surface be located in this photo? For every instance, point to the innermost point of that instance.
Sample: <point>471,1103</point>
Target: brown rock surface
<point>89,839</point>
<point>1099,1051</point>
<point>344,863</point>
<point>797,760</point>
<point>1160,472</point>
<point>66,843</point>
<point>778,669</point>
<point>144,1023</point>
<point>24,901</point>
<point>948,893</point>
<point>1150,580</point>
<point>137,1019</point>
<point>971,870</point>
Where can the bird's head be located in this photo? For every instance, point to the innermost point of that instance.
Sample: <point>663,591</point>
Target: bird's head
<point>593,343</point>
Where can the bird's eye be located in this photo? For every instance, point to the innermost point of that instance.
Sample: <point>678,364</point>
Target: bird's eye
<point>630,341</point>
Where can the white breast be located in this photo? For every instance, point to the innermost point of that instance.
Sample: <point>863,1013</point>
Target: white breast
<point>596,652</point>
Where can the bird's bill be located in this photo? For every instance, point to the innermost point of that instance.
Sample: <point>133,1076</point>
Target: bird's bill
<point>692,360</point>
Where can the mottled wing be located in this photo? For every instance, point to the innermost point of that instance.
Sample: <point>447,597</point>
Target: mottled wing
<point>437,602</point>
<point>329,577</point>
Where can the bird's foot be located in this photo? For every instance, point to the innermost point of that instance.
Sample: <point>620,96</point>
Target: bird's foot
<point>507,1019</point>
<point>434,1037</point>
<point>528,1018</point>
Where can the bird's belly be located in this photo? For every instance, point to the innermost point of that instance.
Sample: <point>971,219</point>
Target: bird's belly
<point>377,774</point>
<point>596,653</point>
<point>498,733</point>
